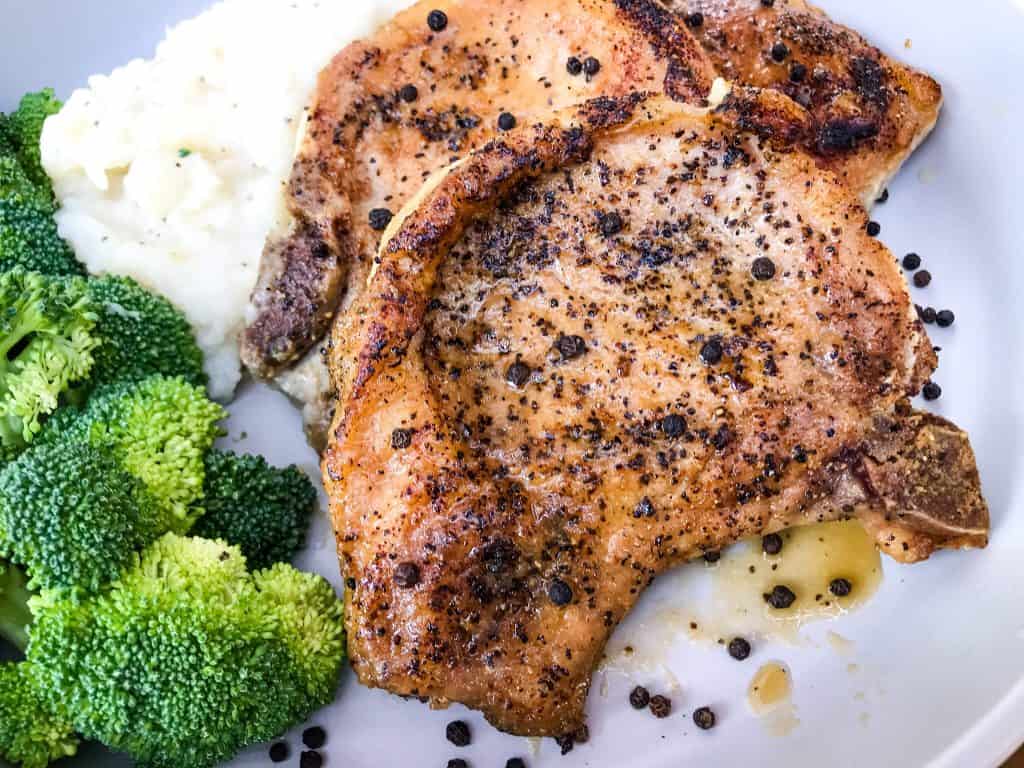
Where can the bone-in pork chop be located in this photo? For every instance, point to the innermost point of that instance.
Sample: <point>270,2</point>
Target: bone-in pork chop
<point>870,111</point>
<point>434,82</point>
<point>593,350</point>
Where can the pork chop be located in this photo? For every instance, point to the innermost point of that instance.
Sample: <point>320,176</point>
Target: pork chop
<point>436,81</point>
<point>595,349</point>
<point>870,112</point>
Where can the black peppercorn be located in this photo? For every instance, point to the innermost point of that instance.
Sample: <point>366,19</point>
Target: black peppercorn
<point>780,598</point>
<point>771,544</point>
<point>350,583</point>
<point>591,66</point>
<point>704,718</point>
<point>311,760</point>
<point>923,278</point>
<point>571,347</point>
<point>673,425</point>
<point>278,752</point>
<point>884,197</point>
<point>661,706</point>
<point>457,762</point>
<point>768,3</point>
<point>518,373</point>
<point>610,223</point>
<point>911,262</point>
<point>457,732</point>
<point>409,93</point>
<point>407,575</point>
<point>712,557</point>
<point>739,648</point>
<point>695,20</point>
<point>711,353</point>
<point>515,762</point>
<point>573,66</point>
<point>763,268</point>
<point>945,318</point>
<point>840,587</point>
<point>927,314</point>
<point>314,737</point>
<point>874,229</point>
<point>560,593</point>
<point>931,391</point>
<point>780,51</point>
<point>797,73</point>
<point>639,697</point>
<point>401,438</point>
<point>380,218</point>
<point>506,121</point>
<point>644,509</point>
<point>437,20</point>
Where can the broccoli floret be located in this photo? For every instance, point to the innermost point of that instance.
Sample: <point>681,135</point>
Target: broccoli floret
<point>159,430</point>
<point>24,128</point>
<point>29,239</point>
<point>263,510</point>
<point>72,516</point>
<point>46,344</point>
<point>143,334</point>
<point>188,658</point>
<point>31,733</point>
<point>15,616</point>
<point>14,182</point>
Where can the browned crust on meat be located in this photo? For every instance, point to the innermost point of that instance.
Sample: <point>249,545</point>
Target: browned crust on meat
<point>471,620</point>
<point>365,146</point>
<point>869,111</point>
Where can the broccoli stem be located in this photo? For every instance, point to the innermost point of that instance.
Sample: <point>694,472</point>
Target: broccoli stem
<point>15,616</point>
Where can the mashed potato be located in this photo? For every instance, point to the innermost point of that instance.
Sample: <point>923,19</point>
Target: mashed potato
<point>171,170</point>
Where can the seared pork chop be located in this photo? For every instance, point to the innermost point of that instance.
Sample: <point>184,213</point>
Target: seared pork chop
<point>595,349</point>
<point>870,111</point>
<point>391,110</point>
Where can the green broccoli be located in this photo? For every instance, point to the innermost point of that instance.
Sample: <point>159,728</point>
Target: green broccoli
<point>159,430</point>
<point>14,613</point>
<point>46,344</point>
<point>14,182</point>
<point>143,334</point>
<point>29,239</point>
<point>23,129</point>
<point>72,516</point>
<point>263,510</point>
<point>188,657</point>
<point>31,733</point>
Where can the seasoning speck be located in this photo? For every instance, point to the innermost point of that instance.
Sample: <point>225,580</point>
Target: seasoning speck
<point>639,697</point>
<point>573,66</point>
<point>571,347</point>
<point>780,598</point>
<point>515,762</point>
<point>884,197</point>
<point>739,648</point>
<point>711,352</point>
<point>673,425</point>
<point>278,752</point>
<point>314,737</point>
<point>780,51</point>
<point>704,718</point>
<point>409,93</point>
<point>931,391</point>
<point>695,20</point>
<point>840,587</point>
<point>518,374</point>
<point>661,706</point>
<point>712,557</point>
<point>183,153</point>
<point>797,73</point>
<point>401,438</point>
<point>644,509</point>
<point>874,229</point>
<point>380,218</point>
<point>407,575</point>
<point>310,760</point>
<point>945,318</point>
<point>911,262</point>
<point>923,278</point>
<point>437,20</point>
<point>763,268</point>
<point>610,223</point>
<point>457,732</point>
<point>457,762</point>
<point>560,593</point>
<point>771,544</point>
<point>506,121</point>
<point>591,66</point>
<point>926,314</point>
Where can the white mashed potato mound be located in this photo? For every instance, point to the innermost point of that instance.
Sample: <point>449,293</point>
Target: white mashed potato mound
<point>172,170</point>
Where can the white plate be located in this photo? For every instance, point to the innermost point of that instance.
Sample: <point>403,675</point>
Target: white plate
<point>940,649</point>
